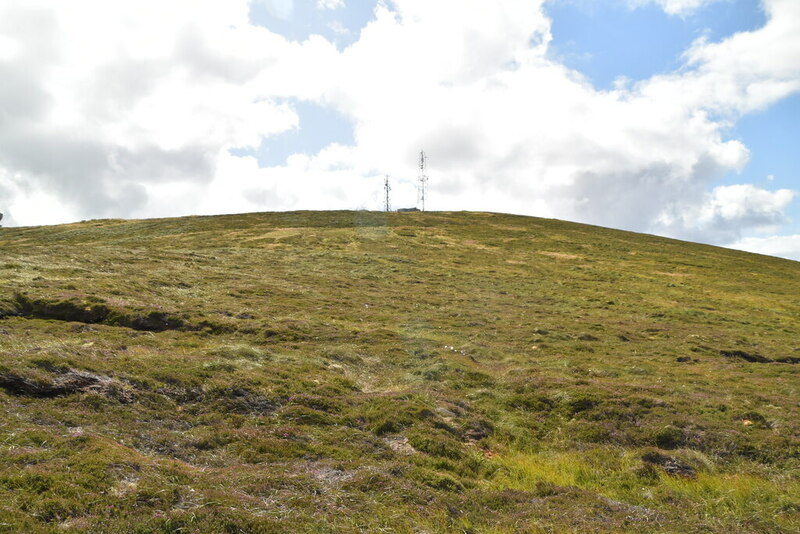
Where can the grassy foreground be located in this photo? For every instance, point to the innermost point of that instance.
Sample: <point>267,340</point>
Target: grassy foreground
<point>416,372</point>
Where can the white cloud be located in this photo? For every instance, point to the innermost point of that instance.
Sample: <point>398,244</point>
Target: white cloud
<point>9,48</point>
<point>330,4</point>
<point>784,246</point>
<point>510,127</point>
<point>106,100</point>
<point>728,212</point>
<point>130,110</point>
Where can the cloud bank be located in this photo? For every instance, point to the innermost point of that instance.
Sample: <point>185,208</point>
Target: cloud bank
<point>132,110</point>
<point>787,246</point>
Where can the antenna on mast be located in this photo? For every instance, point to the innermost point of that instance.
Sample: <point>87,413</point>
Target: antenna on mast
<point>386,188</point>
<point>423,179</point>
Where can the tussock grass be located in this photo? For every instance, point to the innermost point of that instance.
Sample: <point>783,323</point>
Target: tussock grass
<point>369,372</point>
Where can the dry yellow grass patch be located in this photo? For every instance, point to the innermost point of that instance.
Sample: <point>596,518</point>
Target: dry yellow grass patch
<point>560,255</point>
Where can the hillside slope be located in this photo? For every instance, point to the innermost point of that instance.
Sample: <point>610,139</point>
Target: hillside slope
<point>415,372</point>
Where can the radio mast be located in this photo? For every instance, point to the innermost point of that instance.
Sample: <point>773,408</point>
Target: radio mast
<point>386,188</point>
<point>422,181</point>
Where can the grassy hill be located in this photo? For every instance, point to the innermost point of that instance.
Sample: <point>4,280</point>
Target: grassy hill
<point>415,372</point>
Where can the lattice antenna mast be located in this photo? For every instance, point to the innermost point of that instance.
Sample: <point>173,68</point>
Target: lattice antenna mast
<point>423,178</point>
<point>387,188</point>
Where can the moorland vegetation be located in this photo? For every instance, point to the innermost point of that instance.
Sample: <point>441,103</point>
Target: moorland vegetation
<point>393,372</point>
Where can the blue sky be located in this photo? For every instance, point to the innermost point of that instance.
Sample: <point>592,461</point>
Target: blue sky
<point>672,117</point>
<point>318,126</point>
<point>772,136</point>
<point>299,19</point>
<point>609,39</point>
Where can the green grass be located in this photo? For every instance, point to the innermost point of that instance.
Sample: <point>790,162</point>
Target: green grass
<point>372,372</point>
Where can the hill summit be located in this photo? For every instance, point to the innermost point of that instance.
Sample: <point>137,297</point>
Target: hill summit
<point>393,372</point>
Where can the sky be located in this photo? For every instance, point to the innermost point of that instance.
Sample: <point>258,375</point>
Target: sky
<point>671,117</point>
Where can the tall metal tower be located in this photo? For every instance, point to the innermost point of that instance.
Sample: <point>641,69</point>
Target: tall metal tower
<point>386,188</point>
<point>422,181</point>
